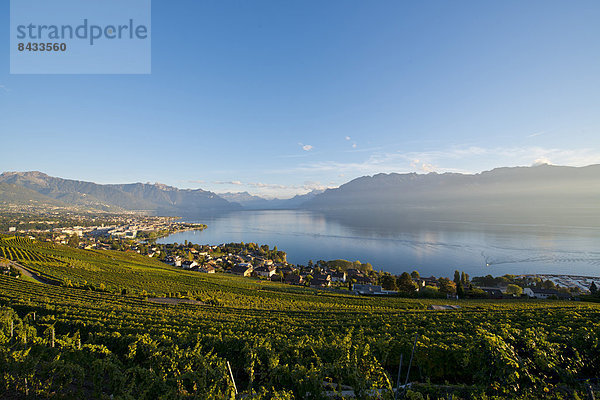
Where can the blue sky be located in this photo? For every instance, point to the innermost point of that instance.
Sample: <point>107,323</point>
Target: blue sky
<point>277,98</point>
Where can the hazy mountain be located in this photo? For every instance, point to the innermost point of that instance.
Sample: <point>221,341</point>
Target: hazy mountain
<point>152,198</point>
<point>542,194</point>
<point>252,202</point>
<point>245,199</point>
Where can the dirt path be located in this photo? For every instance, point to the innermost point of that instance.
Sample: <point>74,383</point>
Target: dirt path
<point>29,273</point>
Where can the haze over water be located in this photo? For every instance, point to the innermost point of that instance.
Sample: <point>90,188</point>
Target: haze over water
<point>433,247</point>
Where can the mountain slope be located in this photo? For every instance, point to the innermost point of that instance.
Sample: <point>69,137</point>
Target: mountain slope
<point>153,198</point>
<point>18,195</point>
<point>541,194</point>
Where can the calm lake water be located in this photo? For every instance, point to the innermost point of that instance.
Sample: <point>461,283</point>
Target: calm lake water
<point>430,247</point>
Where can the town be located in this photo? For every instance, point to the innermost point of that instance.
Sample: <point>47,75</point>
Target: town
<point>136,233</point>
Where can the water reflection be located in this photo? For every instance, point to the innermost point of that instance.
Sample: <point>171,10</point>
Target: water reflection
<point>397,243</point>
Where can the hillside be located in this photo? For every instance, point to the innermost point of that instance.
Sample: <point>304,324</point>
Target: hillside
<point>95,331</point>
<point>19,195</point>
<point>152,198</point>
<point>543,194</point>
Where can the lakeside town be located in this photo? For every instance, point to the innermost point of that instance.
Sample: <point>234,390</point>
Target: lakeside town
<point>92,231</point>
<point>134,233</point>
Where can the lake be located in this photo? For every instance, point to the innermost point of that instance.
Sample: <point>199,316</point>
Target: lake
<point>430,247</point>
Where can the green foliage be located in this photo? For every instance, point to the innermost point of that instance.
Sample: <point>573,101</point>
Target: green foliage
<point>514,289</point>
<point>73,240</point>
<point>282,342</point>
<point>405,283</point>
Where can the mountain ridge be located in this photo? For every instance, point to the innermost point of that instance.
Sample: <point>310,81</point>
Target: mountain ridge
<point>539,194</point>
<point>152,198</point>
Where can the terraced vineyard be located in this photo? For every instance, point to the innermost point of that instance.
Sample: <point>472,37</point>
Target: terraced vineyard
<point>281,341</point>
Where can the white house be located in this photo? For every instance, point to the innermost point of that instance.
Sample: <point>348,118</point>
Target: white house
<point>544,293</point>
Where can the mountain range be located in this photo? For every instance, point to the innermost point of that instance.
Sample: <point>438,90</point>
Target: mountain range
<point>539,194</point>
<point>544,194</point>
<point>252,202</point>
<point>158,199</point>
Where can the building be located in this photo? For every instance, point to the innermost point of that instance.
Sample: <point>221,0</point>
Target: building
<point>493,293</point>
<point>265,271</point>
<point>293,279</point>
<point>338,276</point>
<point>322,277</point>
<point>207,269</point>
<point>287,270</point>
<point>352,272</point>
<point>363,280</point>
<point>366,289</point>
<point>545,293</point>
<point>243,269</point>
<point>320,283</point>
<point>187,264</point>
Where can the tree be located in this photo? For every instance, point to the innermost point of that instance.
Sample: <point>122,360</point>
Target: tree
<point>464,278</point>
<point>415,275</point>
<point>593,288</point>
<point>308,279</point>
<point>388,282</point>
<point>456,277</point>
<point>514,290</point>
<point>548,284</point>
<point>460,291</point>
<point>446,286</point>
<point>405,283</point>
<point>74,240</point>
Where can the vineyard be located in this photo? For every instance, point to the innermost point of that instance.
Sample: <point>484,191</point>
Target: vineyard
<point>96,334</point>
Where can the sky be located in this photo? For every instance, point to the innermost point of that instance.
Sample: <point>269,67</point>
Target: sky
<point>279,98</point>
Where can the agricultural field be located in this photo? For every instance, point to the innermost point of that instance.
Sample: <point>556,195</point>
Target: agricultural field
<point>94,331</point>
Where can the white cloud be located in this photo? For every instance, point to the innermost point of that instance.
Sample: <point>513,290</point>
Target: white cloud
<point>347,137</point>
<point>541,161</point>
<point>536,134</point>
<point>466,159</point>
<point>305,147</point>
<point>310,186</point>
<point>277,190</point>
<point>267,185</point>
<point>196,181</point>
<point>353,145</point>
<point>237,183</point>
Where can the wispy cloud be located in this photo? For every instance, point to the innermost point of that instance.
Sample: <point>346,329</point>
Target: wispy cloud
<point>197,181</point>
<point>467,159</point>
<point>306,147</point>
<point>278,190</point>
<point>4,89</point>
<point>237,183</point>
<point>347,138</point>
<point>536,134</point>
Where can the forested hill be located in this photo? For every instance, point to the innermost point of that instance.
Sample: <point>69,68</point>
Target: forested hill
<point>542,194</point>
<point>154,198</point>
